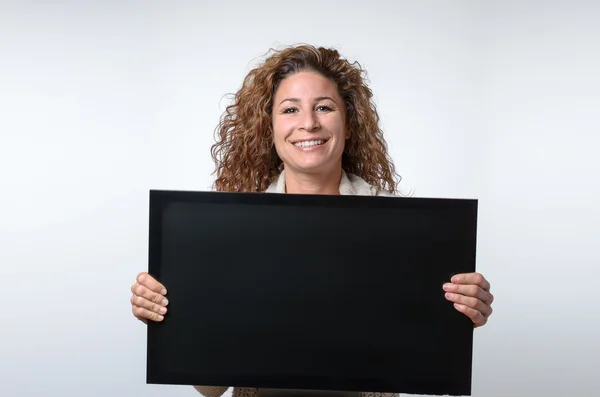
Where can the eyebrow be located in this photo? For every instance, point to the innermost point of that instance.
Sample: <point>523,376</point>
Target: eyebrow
<point>317,99</point>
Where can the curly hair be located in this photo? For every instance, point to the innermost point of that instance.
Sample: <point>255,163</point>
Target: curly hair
<point>244,153</point>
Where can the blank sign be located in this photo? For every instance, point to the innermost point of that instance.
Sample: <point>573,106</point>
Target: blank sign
<point>307,292</point>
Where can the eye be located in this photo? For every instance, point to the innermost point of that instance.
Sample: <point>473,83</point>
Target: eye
<point>324,108</point>
<point>290,110</point>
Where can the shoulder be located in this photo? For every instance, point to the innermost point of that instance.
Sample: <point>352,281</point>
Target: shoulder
<point>386,193</point>
<point>363,188</point>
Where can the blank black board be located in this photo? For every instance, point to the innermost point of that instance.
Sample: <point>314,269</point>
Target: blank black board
<point>311,291</point>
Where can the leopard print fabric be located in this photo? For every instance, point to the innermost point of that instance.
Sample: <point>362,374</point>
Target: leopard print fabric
<point>247,392</point>
<point>373,394</point>
<point>244,392</point>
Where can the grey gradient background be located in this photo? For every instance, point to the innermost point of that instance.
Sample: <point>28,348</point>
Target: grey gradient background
<point>102,101</point>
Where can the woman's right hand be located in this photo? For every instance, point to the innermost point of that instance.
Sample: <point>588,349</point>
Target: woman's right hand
<point>148,301</point>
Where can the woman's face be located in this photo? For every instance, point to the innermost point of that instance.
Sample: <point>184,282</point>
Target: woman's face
<point>309,124</point>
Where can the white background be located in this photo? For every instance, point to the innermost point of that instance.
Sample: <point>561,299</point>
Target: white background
<point>102,101</point>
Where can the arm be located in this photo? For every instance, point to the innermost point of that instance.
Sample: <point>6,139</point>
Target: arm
<point>211,391</point>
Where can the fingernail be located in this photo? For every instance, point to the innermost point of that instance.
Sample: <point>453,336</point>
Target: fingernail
<point>447,286</point>
<point>165,302</point>
<point>160,318</point>
<point>163,292</point>
<point>455,279</point>
<point>448,295</point>
<point>163,310</point>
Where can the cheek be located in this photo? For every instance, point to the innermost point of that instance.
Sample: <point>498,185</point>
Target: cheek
<point>276,127</point>
<point>280,129</point>
<point>338,127</point>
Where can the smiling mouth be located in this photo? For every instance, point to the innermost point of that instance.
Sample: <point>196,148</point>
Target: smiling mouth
<point>309,144</point>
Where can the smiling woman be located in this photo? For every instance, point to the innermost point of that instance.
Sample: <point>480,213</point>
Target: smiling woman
<point>302,94</point>
<point>303,122</point>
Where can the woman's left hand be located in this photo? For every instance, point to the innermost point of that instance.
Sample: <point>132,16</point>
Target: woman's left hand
<point>471,295</point>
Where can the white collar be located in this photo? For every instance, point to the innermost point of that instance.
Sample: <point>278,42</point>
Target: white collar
<point>350,185</point>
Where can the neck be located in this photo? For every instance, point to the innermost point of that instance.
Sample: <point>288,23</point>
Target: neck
<point>299,183</point>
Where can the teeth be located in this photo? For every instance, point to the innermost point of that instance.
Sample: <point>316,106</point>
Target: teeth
<point>309,143</point>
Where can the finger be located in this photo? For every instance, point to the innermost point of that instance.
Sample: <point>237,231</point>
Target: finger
<point>145,314</point>
<point>470,290</point>
<point>476,317</point>
<point>470,302</point>
<point>149,305</point>
<point>150,282</point>
<point>471,278</point>
<point>146,293</point>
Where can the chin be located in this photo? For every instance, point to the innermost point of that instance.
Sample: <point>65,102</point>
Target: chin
<point>313,168</point>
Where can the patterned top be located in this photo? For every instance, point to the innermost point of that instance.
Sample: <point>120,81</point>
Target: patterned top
<point>210,391</point>
<point>350,185</point>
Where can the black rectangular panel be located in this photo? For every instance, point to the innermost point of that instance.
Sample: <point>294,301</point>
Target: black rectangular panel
<point>311,292</point>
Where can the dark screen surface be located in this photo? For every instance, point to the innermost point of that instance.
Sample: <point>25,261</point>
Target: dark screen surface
<point>290,291</point>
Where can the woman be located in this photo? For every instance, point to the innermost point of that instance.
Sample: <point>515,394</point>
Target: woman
<point>304,123</point>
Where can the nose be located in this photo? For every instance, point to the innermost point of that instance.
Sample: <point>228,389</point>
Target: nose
<point>310,121</point>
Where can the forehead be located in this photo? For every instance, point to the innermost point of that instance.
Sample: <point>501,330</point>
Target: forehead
<point>305,85</point>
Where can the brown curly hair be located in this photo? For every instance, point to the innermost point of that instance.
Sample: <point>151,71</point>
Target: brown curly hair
<point>244,152</point>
